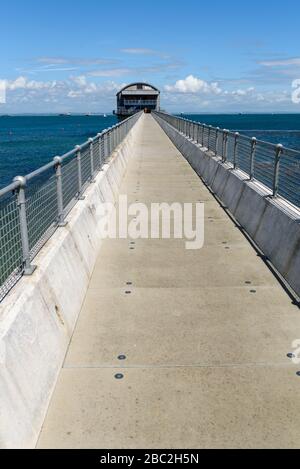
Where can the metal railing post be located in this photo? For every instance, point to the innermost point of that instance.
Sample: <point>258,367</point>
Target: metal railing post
<point>235,153</point>
<point>202,136</point>
<point>278,154</point>
<point>252,157</point>
<point>28,268</point>
<point>59,190</point>
<point>91,142</point>
<point>225,137</point>
<point>79,172</point>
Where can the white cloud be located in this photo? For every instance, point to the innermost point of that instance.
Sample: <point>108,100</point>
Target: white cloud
<point>281,63</point>
<point>22,83</point>
<point>51,61</point>
<point>193,85</point>
<point>85,93</point>
<point>138,51</point>
<point>195,95</point>
<point>84,87</point>
<point>78,93</point>
<point>243,92</point>
<point>78,84</point>
<point>114,72</point>
<point>2,92</point>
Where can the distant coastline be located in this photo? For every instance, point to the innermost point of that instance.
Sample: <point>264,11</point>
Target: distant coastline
<point>177,113</point>
<point>58,114</point>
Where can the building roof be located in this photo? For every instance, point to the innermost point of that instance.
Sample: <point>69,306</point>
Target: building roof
<point>134,87</point>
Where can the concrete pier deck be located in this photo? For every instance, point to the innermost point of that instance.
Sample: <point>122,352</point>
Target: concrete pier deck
<point>205,334</point>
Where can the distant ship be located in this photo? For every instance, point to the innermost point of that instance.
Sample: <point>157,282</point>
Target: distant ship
<point>67,114</point>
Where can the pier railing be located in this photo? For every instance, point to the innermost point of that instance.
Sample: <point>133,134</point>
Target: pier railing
<point>33,207</point>
<point>275,166</point>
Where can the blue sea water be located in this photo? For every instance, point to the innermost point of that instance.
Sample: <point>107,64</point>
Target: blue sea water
<point>28,142</point>
<point>274,128</point>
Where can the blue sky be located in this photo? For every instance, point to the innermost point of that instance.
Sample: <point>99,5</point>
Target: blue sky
<point>232,56</point>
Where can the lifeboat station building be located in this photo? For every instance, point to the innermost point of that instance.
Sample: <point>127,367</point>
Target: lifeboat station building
<point>137,97</point>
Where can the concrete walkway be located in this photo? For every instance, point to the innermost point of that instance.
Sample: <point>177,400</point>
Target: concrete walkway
<point>205,334</point>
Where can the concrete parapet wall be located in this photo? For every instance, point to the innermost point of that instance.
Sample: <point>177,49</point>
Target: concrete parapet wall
<point>273,224</point>
<point>38,317</point>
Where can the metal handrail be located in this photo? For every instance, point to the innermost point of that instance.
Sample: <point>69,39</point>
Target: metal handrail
<point>32,207</point>
<point>275,166</point>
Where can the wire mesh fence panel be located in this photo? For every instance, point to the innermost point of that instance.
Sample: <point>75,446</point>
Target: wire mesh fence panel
<point>10,244</point>
<point>192,130</point>
<point>195,132</point>
<point>289,176</point>
<point>112,141</point>
<point>42,212</point>
<point>188,126</point>
<point>106,145</point>
<point>102,151</point>
<point>96,154</point>
<point>86,165</point>
<point>212,139</point>
<point>42,206</point>
<point>244,154</point>
<point>205,136</point>
<point>185,128</point>
<point>198,133</point>
<point>219,143</point>
<point>255,158</point>
<point>69,181</point>
<point>230,148</point>
<point>264,163</point>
